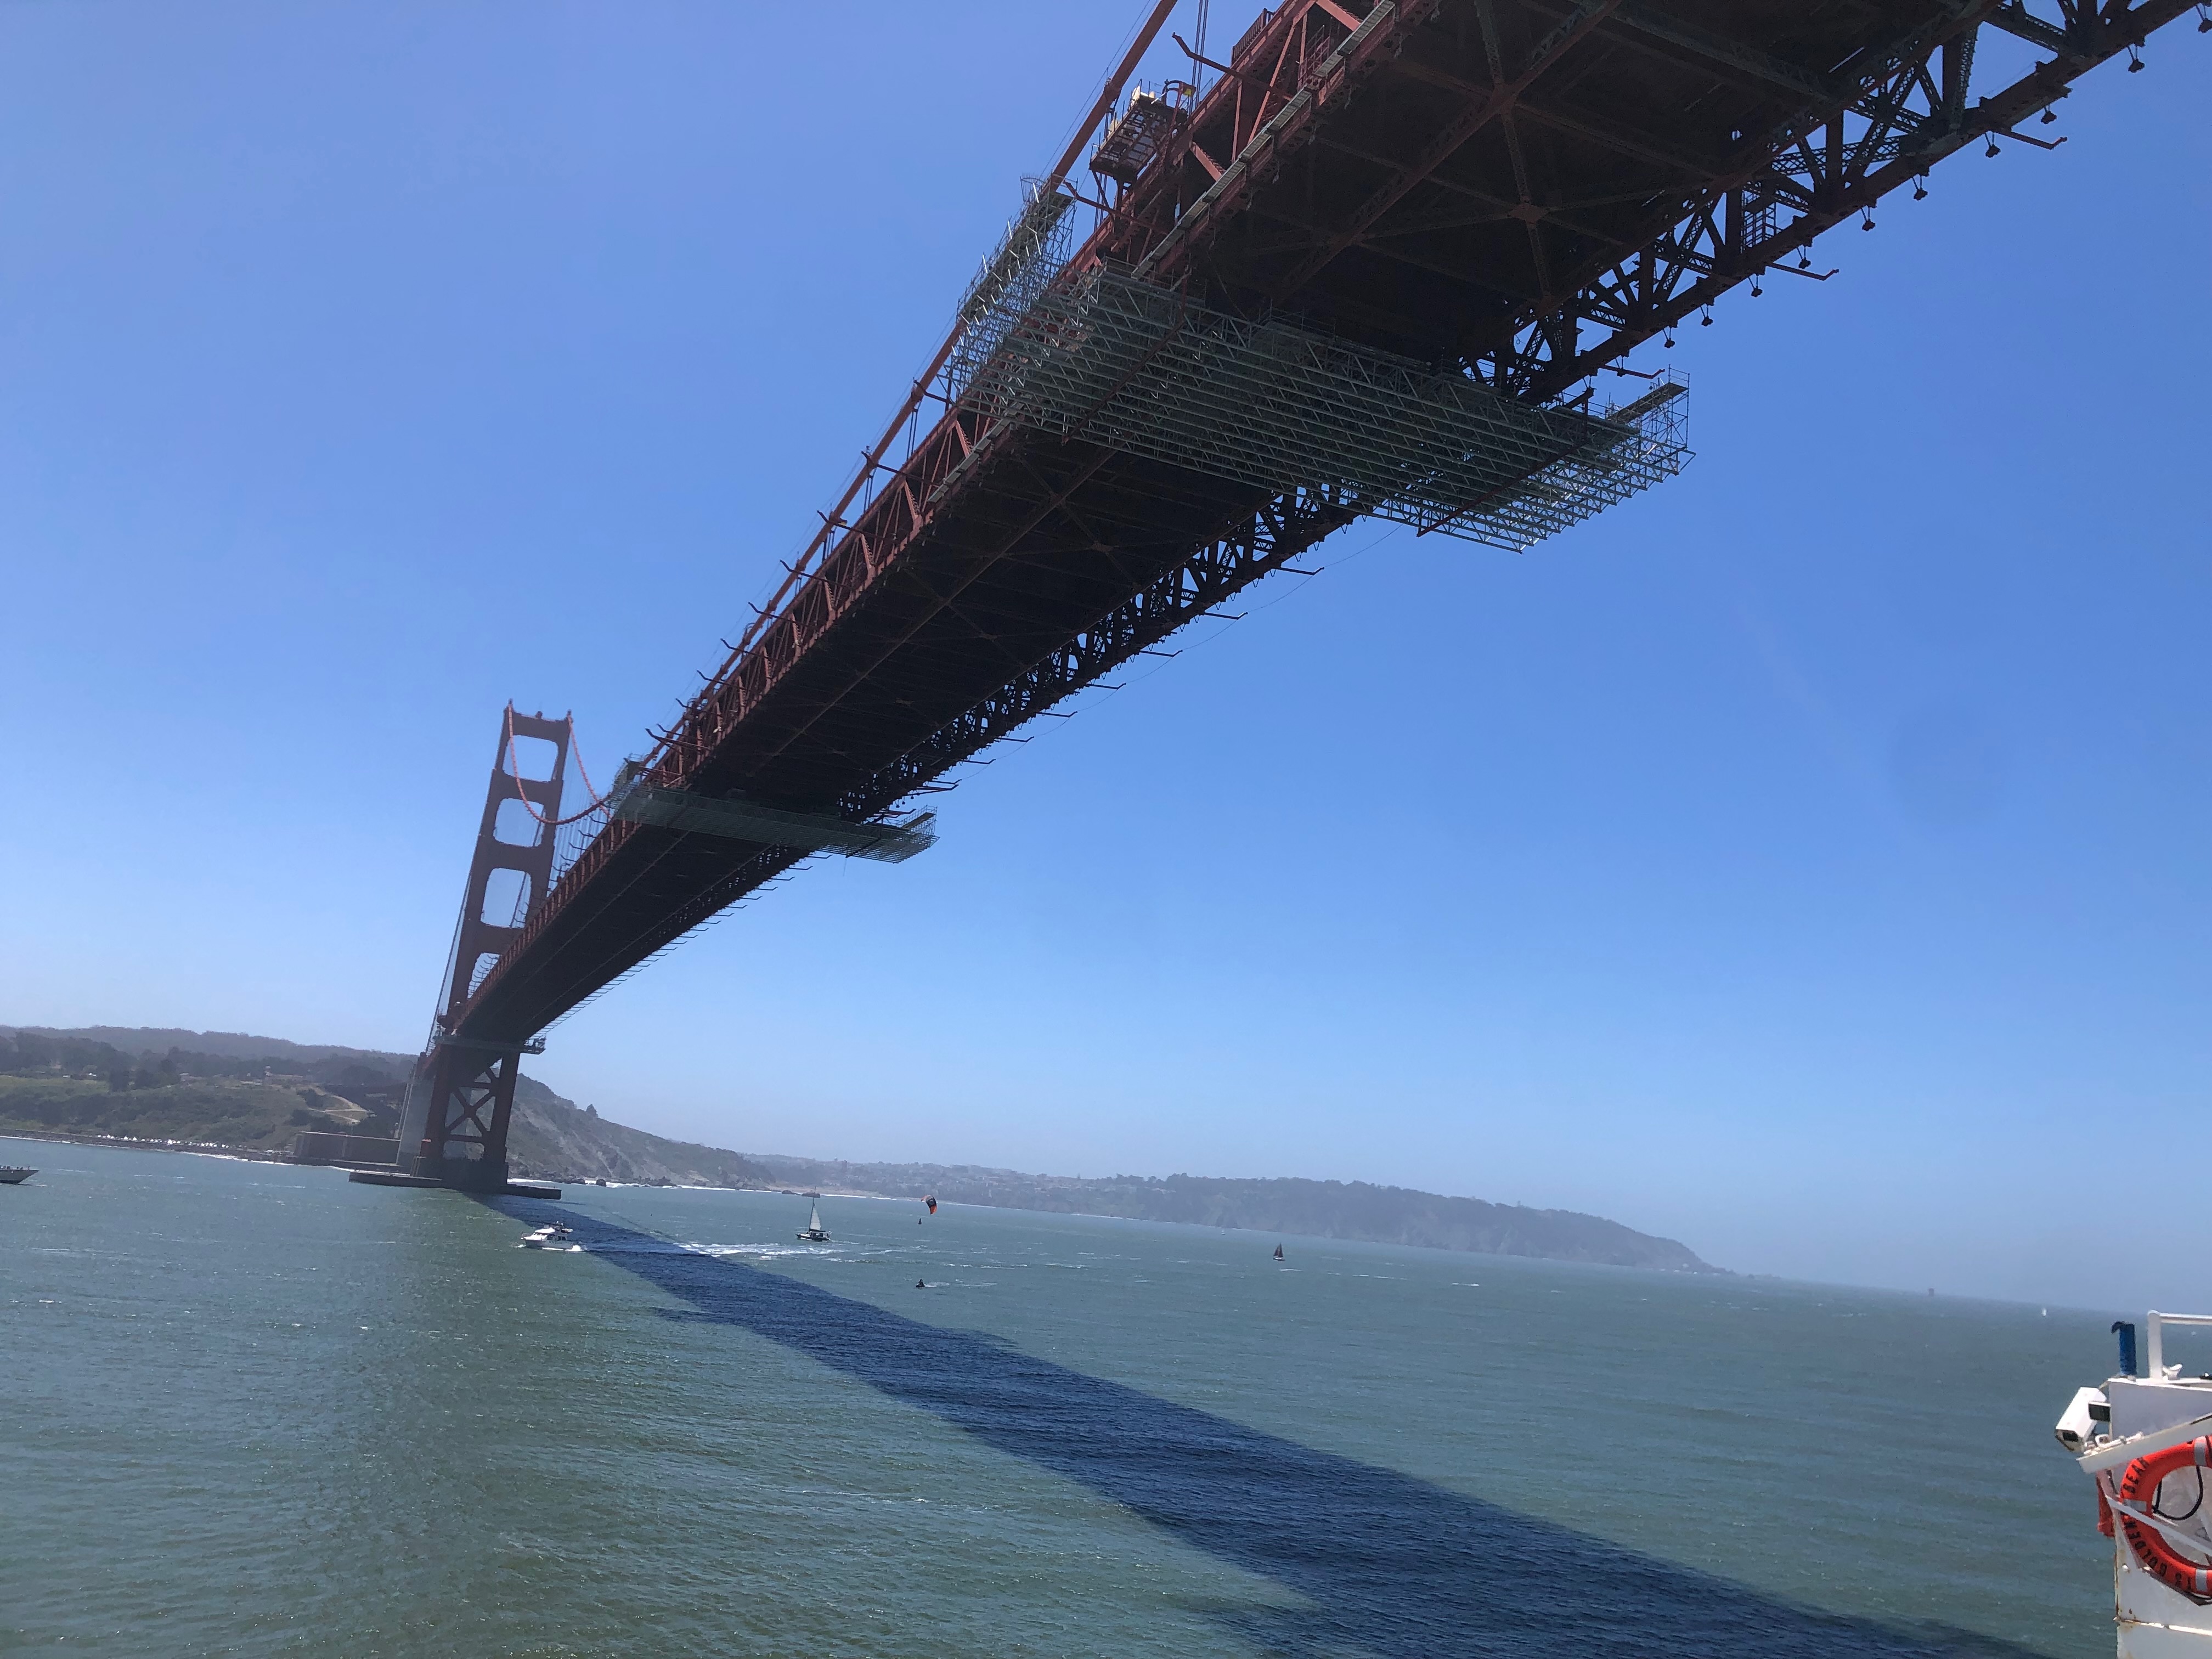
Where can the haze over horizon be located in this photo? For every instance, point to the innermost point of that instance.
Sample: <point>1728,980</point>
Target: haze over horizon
<point>1810,861</point>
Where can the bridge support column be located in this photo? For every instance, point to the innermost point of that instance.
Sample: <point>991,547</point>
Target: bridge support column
<point>454,1129</point>
<point>467,1098</point>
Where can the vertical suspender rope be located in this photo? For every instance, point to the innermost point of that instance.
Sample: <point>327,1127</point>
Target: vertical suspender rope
<point>834,519</point>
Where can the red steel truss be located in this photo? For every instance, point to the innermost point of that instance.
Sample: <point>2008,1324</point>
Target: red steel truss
<point>1520,191</point>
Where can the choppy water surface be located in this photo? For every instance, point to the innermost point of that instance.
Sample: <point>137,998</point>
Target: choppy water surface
<point>254,1410</point>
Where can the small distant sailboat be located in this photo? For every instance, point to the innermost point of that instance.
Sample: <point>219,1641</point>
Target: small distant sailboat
<point>1278,1253</point>
<point>814,1235</point>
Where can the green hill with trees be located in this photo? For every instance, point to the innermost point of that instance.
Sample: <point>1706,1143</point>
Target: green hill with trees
<point>72,1083</point>
<point>243,1093</point>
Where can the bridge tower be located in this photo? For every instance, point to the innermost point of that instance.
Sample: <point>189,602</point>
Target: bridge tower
<point>462,1096</point>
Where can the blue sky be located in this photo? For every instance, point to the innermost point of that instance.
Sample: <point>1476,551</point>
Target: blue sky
<point>1811,860</point>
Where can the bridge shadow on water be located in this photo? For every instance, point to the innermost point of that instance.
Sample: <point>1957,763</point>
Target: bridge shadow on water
<point>1384,1563</point>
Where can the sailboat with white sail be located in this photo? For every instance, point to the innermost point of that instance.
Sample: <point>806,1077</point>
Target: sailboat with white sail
<point>814,1235</point>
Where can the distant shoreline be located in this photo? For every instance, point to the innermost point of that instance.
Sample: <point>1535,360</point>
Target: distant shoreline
<point>231,1093</point>
<point>130,1144</point>
<point>260,1155</point>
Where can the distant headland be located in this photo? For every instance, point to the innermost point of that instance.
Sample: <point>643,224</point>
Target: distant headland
<point>256,1094</point>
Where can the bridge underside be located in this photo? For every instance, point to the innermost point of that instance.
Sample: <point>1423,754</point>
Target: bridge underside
<point>1506,194</point>
<point>1052,566</point>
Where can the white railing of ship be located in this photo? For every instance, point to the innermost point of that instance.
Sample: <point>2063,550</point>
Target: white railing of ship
<point>2154,1348</point>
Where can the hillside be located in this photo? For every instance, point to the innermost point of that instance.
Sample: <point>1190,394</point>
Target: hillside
<point>555,1139</point>
<point>258,1092</point>
<point>222,1112</point>
<point>1315,1209</point>
<point>249,1093</point>
<point>134,1040</point>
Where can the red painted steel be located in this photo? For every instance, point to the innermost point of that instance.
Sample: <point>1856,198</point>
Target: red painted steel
<point>834,519</point>
<point>481,939</point>
<point>465,1087</point>
<point>1524,190</point>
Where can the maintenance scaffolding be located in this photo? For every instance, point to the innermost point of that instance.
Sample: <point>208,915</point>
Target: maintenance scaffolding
<point>1101,356</point>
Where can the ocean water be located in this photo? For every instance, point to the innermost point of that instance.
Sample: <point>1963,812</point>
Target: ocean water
<point>254,1410</point>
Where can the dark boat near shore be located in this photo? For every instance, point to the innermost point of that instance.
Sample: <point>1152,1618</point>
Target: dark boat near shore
<point>14,1177</point>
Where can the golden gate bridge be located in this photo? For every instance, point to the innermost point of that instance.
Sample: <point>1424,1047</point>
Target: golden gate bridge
<point>1374,263</point>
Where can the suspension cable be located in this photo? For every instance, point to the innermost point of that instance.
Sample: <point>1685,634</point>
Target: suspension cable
<point>513,772</point>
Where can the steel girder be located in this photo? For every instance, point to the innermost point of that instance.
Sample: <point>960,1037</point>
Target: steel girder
<point>1910,108</point>
<point>1521,189</point>
<point>950,606</point>
<point>1531,188</point>
<point>467,1101</point>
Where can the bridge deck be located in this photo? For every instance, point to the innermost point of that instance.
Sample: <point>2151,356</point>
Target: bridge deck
<point>1525,200</point>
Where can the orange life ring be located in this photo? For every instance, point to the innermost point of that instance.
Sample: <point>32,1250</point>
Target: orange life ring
<point>2140,1486</point>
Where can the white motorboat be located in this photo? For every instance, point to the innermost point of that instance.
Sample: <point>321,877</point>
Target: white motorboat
<point>2144,1437</point>
<point>554,1237</point>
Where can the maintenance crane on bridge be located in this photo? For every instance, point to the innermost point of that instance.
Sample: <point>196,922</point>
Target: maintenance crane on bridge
<point>1369,266</point>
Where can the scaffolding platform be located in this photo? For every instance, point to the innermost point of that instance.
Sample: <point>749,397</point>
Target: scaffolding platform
<point>1104,357</point>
